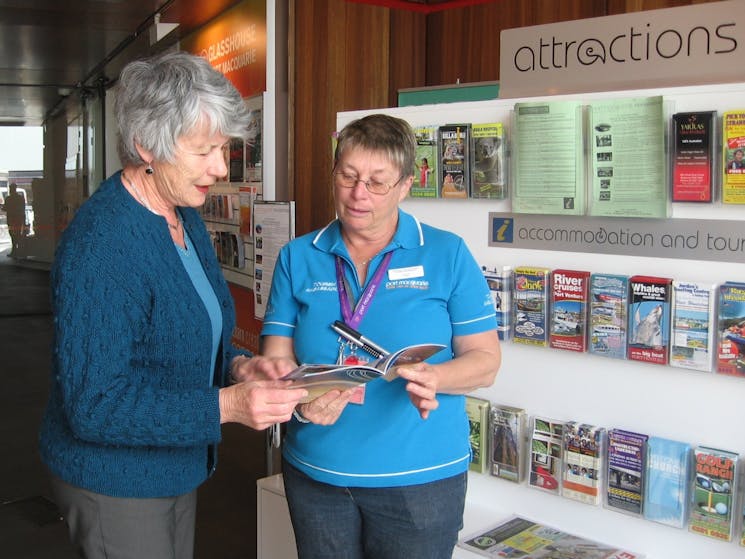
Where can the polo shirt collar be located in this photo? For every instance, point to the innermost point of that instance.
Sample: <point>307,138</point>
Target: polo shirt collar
<point>408,235</point>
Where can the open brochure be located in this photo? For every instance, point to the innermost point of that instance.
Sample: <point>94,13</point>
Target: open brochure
<point>320,378</point>
<point>518,538</point>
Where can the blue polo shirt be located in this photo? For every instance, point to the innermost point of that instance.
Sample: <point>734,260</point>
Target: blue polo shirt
<point>433,290</point>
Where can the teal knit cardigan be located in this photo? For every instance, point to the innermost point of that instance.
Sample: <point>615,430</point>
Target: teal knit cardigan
<point>130,413</point>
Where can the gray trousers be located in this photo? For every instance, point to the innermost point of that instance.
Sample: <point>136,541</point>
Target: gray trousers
<point>104,527</point>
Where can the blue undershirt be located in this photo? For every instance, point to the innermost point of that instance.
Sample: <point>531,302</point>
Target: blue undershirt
<point>206,293</point>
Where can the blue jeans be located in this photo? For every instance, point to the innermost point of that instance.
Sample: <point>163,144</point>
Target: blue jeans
<point>410,522</point>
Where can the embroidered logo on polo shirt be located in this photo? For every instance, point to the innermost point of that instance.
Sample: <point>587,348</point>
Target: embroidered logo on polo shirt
<point>321,286</point>
<point>408,284</point>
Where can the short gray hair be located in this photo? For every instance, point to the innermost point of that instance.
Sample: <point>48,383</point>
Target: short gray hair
<point>162,98</point>
<point>380,133</point>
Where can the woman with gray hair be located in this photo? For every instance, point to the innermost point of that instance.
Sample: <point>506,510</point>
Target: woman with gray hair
<point>143,365</point>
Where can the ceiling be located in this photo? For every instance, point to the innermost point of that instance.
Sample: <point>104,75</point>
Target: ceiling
<point>51,48</point>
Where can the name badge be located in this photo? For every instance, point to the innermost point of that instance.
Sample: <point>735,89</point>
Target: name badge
<point>406,273</point>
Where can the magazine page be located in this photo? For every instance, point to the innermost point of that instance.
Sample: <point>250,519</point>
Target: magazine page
<point>406,356</point>
<point>318,379</point>
<point>524,539</point>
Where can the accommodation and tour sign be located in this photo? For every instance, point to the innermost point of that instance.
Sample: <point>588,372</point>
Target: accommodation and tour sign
<point>690,239</point>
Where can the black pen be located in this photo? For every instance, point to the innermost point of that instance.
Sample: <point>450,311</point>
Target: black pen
<point>358,339</point>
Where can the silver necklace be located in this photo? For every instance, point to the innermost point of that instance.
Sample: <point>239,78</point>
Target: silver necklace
<point>144,203</point>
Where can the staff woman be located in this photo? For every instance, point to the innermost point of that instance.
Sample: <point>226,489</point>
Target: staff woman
<point>380,475</point>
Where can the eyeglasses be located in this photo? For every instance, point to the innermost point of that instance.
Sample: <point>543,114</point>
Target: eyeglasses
<point>345,180</point>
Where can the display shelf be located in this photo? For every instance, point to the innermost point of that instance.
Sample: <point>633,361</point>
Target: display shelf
<point>691,406</point>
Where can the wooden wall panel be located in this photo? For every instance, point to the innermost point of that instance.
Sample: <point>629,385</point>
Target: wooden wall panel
<point>408,52</point>
<point>367,49</point>
<point>343,62</point>
<point>350,56</point>
<point>312,99</point>
<point>310,23</point>
<point>463,44</point>
<point>627,6</point>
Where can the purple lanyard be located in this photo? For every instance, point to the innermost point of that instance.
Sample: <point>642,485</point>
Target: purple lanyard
<point>353,319</point>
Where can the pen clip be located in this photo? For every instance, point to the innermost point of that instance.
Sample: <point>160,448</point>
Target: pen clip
<point>352,335</point>
<point>347,332</point>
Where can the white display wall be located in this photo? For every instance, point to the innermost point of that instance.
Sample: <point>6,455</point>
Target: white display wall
<point>696,407</point>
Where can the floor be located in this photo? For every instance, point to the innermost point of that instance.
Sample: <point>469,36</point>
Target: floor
<point>30,527</point>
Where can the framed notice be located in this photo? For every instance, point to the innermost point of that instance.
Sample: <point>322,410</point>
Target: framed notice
<point>549,164</point>
<point>273,227</point>
<point>628,159</point>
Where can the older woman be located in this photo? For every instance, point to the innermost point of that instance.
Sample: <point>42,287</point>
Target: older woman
<point>383,474</point>
<point>143,324</point>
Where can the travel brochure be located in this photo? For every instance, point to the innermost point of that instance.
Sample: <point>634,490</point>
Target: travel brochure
<point>629,157</point>
<point>666,489</point>
<point>477,410</point>
<point>626,476</point>
<point>692,337</point>
<point>714,488</point>
<point>693,158</point>
<point>506,427</point>
<point>733,157</point>
<point>545,446</point>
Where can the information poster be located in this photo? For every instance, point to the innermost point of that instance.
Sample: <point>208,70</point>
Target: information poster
<point>628,158</point>
<point>548,159</point>
<point>273,227</point>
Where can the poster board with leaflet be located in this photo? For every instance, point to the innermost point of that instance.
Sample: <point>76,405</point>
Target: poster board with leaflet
<point>273,226</point>
<point>656,400</point>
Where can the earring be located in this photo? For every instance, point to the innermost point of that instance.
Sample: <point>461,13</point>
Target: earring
<point>149,169</point>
